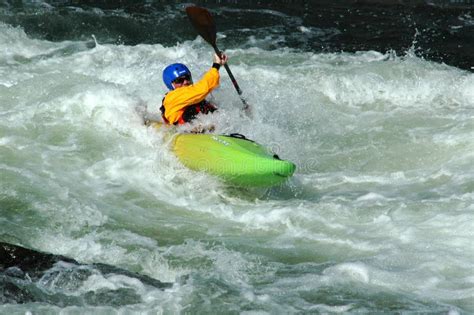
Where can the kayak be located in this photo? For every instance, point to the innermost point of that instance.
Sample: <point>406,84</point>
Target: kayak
<point>234,158</point>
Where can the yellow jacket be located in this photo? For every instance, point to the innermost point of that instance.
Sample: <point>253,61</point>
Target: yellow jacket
<point>177,100</point>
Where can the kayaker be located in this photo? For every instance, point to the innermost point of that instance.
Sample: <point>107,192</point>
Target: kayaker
<point>186,99</point>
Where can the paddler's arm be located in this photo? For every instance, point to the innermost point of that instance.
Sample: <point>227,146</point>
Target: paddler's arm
<point>176,100</point>
<point>193,94</point>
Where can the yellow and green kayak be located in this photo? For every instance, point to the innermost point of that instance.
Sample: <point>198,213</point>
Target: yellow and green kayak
<point>234,158</point>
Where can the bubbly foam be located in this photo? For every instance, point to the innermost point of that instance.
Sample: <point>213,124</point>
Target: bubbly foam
<point>381,200</point>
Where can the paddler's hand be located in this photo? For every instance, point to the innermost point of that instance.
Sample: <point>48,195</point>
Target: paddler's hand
<point>222,59</point>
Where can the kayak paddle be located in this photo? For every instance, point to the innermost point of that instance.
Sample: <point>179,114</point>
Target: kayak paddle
<point>204,24</point>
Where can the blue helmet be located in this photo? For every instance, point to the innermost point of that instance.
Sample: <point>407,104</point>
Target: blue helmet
<point>174,71</point>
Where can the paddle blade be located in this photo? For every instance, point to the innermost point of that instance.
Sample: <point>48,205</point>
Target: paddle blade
<point>203,23</point>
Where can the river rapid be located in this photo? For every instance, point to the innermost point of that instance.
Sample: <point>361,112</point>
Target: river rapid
<point>379,216</point>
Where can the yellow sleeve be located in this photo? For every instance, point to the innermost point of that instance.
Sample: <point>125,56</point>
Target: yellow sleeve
<point>177,100</point>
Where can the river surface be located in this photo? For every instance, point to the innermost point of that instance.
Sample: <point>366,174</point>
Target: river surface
<point>373,103</point>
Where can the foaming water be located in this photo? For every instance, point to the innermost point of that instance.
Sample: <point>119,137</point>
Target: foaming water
<point>378,216</point>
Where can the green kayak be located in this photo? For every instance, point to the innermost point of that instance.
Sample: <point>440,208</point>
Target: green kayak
<point>234,158</point>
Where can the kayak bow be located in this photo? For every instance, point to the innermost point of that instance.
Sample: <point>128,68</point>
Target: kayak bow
<point>234,158</point>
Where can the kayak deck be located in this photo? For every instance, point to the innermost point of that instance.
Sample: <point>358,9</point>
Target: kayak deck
<point>234,158</point>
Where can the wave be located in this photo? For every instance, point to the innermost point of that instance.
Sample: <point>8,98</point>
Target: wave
<point>381,201</point>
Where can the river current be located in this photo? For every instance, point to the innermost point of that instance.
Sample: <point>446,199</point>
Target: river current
<point>379,216</point>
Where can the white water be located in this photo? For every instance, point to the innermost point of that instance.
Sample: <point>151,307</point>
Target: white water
<point>379,213</point>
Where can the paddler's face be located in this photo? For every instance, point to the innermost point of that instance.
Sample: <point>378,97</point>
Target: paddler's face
<point>182,81</point>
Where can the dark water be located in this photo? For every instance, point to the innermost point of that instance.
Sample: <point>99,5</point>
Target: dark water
<point>442,31</point>
<point>378,217</point>
<point>25,273</point>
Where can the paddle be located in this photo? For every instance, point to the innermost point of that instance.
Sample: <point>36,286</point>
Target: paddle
<point>204,24</point>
